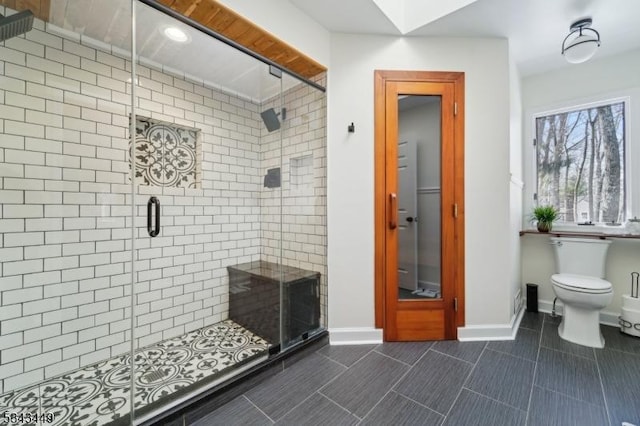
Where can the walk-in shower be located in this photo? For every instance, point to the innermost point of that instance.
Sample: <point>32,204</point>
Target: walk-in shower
<point>137,230</point>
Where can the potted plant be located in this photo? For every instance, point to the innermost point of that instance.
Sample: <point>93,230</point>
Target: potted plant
<point>544,215</point>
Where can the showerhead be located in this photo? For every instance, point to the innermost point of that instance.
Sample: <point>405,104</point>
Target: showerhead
<point>16,24</point>
<point>270,118</point>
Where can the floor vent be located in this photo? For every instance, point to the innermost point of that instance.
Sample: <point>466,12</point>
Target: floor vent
<point>154,376</point>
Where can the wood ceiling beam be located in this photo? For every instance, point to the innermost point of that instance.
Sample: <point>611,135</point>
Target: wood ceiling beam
<point>220,19</point>
<point>228,23</point>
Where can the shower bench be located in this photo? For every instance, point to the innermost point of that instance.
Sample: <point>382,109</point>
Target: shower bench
<point>254,300</point>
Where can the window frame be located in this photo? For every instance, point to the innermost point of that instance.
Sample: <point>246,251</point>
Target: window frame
<point>631,158</point>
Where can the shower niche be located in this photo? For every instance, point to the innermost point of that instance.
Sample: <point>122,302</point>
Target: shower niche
<point>167,154</point>
<point>99,320</point>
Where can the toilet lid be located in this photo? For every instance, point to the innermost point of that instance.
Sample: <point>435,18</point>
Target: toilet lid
<point>581,283</point>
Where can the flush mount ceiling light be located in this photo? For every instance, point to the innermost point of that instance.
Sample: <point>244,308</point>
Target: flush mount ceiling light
<point>175,34</point>
<point>581,43</point>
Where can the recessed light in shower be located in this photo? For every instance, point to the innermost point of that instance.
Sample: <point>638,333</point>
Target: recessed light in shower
<point>176,34</point>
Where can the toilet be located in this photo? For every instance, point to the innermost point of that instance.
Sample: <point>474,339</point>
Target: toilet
<point>580,286</point>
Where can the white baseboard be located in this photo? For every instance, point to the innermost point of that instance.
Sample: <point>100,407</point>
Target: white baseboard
<point>474,333</point>
<point>355,336</point>
<point>606,317</point>
<point>373,336</point>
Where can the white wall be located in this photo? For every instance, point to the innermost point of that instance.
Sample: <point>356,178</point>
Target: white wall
<point>598,76</point>
<point>619,75</point>
<point>351,168</point>
<point>351,60</point>
<point>516,186</point>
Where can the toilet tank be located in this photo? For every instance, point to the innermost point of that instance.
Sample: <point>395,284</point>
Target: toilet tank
<point>583,256</point>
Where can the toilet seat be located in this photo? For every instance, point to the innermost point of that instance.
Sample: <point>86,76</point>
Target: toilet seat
<point>581,283</point>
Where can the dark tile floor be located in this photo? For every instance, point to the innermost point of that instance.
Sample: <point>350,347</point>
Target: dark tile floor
<point>537,379</point>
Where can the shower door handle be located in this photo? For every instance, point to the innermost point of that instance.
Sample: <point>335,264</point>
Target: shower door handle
<point>393,211</point>
<point>153,202</point>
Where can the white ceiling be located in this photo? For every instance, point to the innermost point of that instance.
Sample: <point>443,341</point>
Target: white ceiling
<point>535,28</point>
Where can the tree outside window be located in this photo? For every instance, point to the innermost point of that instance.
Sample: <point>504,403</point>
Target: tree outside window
<point>580,163</point>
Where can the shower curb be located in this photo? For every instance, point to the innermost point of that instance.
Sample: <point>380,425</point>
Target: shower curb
<point>211,399</point>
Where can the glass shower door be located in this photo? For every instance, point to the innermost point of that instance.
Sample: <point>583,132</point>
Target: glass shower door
<point>303,204</point>
<point>208,209</point>
<point>65,214</point>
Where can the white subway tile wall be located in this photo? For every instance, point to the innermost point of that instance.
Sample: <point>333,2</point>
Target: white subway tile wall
<point>65,244</point>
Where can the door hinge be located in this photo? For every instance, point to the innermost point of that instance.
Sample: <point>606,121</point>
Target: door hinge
<point>455,108</point>
<point>455,210</point>
<point>535,142</point>
<point>455,304</point>
<point>535,196</point>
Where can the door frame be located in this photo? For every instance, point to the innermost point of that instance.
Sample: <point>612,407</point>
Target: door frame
<point>381,77</point>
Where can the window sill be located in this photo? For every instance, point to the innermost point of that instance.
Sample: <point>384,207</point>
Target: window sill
<point>593,233</point>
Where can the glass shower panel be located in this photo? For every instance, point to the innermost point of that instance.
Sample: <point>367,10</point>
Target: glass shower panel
<point>304,236</point>
<point>65,216</point>
<point>269,266</point>
<point>206,302</point>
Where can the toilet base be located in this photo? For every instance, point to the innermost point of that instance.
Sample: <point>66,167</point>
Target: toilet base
<point>581,326</point>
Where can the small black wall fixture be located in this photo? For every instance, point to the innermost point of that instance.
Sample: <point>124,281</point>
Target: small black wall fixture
<point>272,178</point>
<point>532,297</point>
<point>270,118</point>
<point>16,24</point>
<point>351,128</point>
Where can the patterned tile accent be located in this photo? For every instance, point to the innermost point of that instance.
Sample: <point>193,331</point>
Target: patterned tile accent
<point>166,154</point>
<point>99,394</point>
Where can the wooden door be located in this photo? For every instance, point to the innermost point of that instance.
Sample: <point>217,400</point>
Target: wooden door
<point>436,318</point>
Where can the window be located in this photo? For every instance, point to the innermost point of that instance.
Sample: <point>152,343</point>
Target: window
<point>580,163</point>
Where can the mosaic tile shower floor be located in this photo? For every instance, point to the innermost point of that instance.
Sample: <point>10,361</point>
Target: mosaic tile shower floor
<point>99,394</point>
